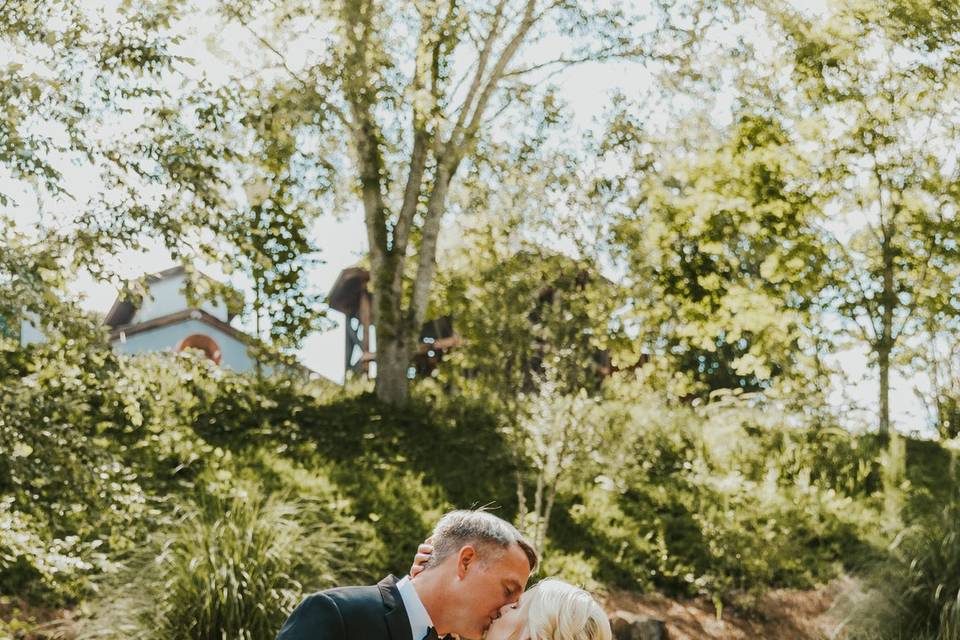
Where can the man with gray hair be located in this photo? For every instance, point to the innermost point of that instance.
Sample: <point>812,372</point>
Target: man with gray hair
<point>479,564</point>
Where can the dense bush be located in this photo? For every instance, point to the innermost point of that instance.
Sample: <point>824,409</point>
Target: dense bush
<point>102,450</point>
<point>240,412</point>
<point>394,466</point>
<point>102,460</point>
<point>720,501</point>
<point>66,496</point>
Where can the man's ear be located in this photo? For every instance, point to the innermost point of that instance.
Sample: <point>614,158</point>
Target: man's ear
<point>466,559</point>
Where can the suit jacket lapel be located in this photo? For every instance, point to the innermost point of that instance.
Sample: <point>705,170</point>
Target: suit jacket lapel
<point>396,615</point>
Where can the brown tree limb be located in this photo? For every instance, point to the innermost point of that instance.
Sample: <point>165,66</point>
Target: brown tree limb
<point>421,132</point>
<point>463,136</point>
<point>608,53</point>
<point>309,86</point>
<point>361,96</point>
<point>482,60</point>
<point>430,230</point>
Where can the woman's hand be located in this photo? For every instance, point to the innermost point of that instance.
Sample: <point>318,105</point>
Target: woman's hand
<point>424,553</point>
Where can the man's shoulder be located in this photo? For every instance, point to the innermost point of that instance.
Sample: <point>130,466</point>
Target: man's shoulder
<point>353,596</point>
<point>317,612</point>
<point>343,612</point>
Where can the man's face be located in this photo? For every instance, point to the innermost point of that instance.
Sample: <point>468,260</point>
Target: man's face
<point>491,583</point>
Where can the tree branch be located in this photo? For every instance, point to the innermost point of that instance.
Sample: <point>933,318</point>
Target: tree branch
<point>462,135</point>
<point>421,132</point>
<point>482,61</point>
<point>860,287</point>
<point>608,53</point>
<point>309,86</point>
<point>426,264</point>
<point>361,95</point>
<point>914,303</point>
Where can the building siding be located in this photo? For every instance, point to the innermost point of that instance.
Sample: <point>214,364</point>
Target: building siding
<point>235,353</point>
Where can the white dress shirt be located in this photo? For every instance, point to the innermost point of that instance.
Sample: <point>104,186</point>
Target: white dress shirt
<point>420,621</point>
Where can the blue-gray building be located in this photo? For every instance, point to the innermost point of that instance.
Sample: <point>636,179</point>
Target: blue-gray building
<point>166,321</point>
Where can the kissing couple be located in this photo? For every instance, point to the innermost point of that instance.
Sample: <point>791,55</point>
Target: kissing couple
<point>469,582</point>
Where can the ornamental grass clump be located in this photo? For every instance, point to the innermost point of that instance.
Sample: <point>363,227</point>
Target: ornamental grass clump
<point>229,572</point>
<point>916,593</point>
<point>231,569</point>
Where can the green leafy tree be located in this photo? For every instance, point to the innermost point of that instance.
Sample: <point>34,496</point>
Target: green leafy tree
<point>940,359</point>
<point>521,312</point>
<point>268,237</point>
<point>114,141</point>
<point>886,129</point>
<point>719,242</point>
<point>558,434</point>
<point>33,296</point>
<point>92,127</point>
<point>414,90</point>
<point>274,250</point>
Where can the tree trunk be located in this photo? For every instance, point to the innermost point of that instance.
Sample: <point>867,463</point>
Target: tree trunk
<point>521,499</point>
<point>538,511</point>
<point>885,341</point>
<point>398,329</point>
<point>257,304</point>
<point>394,343</point>
<point>896,451</point>
<point>547,512</point>
<point>392,385</point>
<point>883,362</point>
<point>392,348</point>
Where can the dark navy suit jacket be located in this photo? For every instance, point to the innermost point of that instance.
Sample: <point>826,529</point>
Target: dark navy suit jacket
<point>350,613</point>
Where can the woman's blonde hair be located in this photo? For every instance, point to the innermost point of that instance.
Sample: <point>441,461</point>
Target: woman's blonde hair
<point>557,610</point>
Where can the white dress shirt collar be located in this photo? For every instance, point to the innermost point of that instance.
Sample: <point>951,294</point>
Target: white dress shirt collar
<point>420,621</point>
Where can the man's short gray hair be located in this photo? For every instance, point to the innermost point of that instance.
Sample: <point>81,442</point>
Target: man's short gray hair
<point>480,528</point>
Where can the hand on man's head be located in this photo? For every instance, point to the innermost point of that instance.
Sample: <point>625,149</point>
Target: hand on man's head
<point>422,558</point>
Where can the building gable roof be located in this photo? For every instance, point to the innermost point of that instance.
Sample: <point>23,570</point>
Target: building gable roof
<point>180,316</point>
<point>123,309</point>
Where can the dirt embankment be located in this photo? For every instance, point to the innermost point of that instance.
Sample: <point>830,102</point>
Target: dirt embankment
<point>783,614</point>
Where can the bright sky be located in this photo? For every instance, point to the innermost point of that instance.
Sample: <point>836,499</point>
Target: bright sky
<point>342,240</point>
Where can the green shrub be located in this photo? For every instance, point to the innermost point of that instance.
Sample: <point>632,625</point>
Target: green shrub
<point>229,571</point>
<point>453,442</point>
<point>106,448</point>
<point>576,568</point>
<point>326,506</point>
<point>103,447</point>
<point>35,567</point>
<point>829,457</point>
<point>393,466</point>
<point>718,503</point>
<point>16,623</point>
<point>109,453</point>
